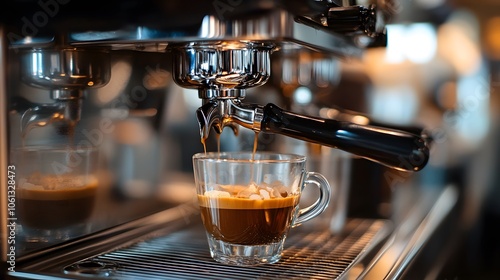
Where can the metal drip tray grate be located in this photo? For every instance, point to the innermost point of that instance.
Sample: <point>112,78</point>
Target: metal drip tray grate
<point>184,255</point>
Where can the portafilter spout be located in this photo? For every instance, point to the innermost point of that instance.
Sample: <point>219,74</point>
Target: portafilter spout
<point>219,113</point>
<point>65,110</point>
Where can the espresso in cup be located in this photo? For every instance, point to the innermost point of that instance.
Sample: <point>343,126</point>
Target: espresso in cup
<point>55,201</point>
<point>249,201</point>
<point>253,215</point>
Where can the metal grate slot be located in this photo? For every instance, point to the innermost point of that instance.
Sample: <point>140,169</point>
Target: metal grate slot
<point>185,255</point>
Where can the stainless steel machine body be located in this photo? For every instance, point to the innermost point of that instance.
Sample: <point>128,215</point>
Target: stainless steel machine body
<point>63,80</point>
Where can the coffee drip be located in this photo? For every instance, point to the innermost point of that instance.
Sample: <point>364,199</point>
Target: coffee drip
<point>223,71</point>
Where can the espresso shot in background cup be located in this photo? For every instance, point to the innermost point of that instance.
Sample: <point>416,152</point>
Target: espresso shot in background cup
<point>249,202</point>
<point>56,191</point>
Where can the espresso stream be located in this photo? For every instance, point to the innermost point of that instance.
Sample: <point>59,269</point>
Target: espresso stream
<point>245,221</point>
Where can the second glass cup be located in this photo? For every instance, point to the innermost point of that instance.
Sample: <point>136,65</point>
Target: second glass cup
<point>56,191</point>
<point>248,202</point>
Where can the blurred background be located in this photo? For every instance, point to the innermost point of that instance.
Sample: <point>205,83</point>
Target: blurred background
<point>440,69</point>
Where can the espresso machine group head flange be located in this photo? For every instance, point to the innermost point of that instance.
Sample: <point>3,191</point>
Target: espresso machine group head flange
<point>66,72</point>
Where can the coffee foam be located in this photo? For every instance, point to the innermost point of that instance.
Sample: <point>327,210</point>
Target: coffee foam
<point>56,187</point>
<point>245,203</point>
<point>273,195</point>
<point>253,191</point>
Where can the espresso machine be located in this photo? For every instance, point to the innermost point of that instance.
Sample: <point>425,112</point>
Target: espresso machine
<point>102,76</point>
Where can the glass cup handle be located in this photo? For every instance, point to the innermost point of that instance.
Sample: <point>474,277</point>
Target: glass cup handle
<point>320,204</point>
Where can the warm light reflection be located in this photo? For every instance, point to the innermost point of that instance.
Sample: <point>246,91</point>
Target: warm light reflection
<point>447,96</point>
<point>361,120</point>
<point>458,44</point>
<point>492,37</point>
<point>156,79</point>
<point>120,71</point>
<point>328,113</point>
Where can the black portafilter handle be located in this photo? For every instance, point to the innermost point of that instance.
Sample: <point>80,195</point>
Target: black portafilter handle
<point>417,130</point>
<point>397,149</point>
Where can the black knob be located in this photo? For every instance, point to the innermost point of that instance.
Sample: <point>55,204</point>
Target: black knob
<point>352,19</point>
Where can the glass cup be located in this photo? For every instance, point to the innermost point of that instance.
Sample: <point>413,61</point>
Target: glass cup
<point>248,203</point>
<point>55,192</point>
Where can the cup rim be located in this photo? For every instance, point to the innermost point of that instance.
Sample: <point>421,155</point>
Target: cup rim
<point>245,157</point>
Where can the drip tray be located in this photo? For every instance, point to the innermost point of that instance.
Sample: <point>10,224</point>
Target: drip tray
<point>184,254</point>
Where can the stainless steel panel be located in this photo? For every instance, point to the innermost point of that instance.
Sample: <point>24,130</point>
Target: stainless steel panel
<point>184,255</point>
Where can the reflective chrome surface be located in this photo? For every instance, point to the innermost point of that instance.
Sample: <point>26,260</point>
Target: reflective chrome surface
<point>219,113</point>
<point>221,66</point>
<point>40,115</point>
<point>275,25</point>
<point>66,72</point>
<point>65,68</point>
<point>318,72</point>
